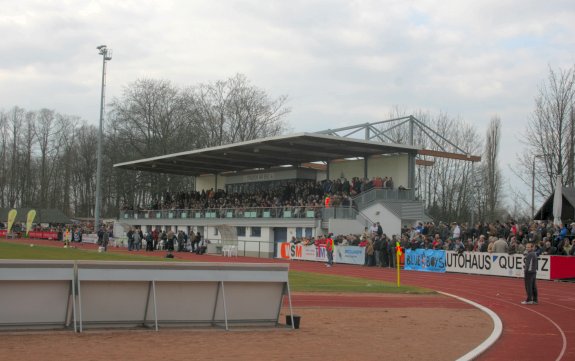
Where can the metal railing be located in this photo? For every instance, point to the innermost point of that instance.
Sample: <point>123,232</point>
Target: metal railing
<point>312,212</point>
<point>223,213</point>
<point>247,248</point>
<point>368,197</point>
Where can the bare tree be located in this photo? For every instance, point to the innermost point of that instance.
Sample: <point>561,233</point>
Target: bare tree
<point>28,184</point>
<point>549,134</point>
<point>491,172</point>
<point>234,110</point>
<point>16,120</point>
<point>44,132</point>
<point>4,158</point>
<point>153,117</point>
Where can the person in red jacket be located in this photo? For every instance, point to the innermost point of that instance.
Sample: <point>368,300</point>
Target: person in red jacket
<point>329,249</point>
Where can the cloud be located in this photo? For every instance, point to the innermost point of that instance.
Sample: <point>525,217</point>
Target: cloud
<point>340,62</point>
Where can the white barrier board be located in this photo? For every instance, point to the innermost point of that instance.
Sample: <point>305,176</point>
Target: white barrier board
<point>493,264</point>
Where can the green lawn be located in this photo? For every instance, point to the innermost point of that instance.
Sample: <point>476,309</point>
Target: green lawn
<point>24,251</point>
<point>299,281</point>
<point>314,282</point>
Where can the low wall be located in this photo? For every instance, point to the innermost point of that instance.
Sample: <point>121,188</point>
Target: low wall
<point>89,294</point>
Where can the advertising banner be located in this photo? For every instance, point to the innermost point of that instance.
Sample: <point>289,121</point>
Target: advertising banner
<point>29,220</point>
<point>494,264</point>
<point>11,218</point>
<point>349,254</point>
<point>90,238</point>
<point>43,235</point>
<point>342,254</point>
<point>426,260</point>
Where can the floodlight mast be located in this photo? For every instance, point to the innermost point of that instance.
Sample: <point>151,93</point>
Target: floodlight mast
<point>106,56</point>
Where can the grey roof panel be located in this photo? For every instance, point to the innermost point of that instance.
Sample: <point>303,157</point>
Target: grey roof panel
<point>264,153</point>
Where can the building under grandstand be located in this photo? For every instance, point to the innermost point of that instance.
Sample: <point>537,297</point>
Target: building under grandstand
<point>269,162</point>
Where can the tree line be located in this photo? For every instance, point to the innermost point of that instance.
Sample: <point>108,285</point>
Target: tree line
<point>48,160</point>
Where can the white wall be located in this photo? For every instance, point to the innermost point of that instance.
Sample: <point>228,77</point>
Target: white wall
<point>205,182</point>
<point>395,166</point>
<point>390,223</point>
<point>346,168</point>
<point>345,226</point>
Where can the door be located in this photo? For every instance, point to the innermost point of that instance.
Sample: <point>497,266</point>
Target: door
<point>280,235</point>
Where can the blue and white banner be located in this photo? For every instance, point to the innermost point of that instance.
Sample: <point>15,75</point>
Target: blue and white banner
<point>426,260</point>
<point>349,254</point>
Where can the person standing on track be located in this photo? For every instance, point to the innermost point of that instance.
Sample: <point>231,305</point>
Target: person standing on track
<point>329,244</point>
<point>530,267</point>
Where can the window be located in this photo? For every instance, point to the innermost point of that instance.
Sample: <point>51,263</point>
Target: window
<point>298,232</point>
<point>241,231</point>
<point>256,231</point>
<point>308,232</point>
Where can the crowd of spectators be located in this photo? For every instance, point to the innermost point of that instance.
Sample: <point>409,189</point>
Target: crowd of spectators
<point>289,193</point>
<point>497,237</point>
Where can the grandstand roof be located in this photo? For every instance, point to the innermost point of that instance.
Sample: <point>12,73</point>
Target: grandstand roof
<point>295,149</point>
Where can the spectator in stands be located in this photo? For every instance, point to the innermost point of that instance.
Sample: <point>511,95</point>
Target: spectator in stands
<point>456,230</point>
<point>100,235</point>
<point>130,236</point>
<point>370,253</point>
<point>383,257</point>
<point>481,244</point>
<point>491,244</point>
<point>458,247</point>
<point>105,239</point>
<point>202,246</point>
<point>520,247</point>
<point>377,245</point>
<point>500,246</point>
<point>373,230</point>
<point>379,230</point>
<point>437,242</point>
<point>171,241</point>
<point>469,246</point>
<point>149,242</point>
<point>366,233</point>
<point>163,240</point>
<point>196,241</point>
<point>137,240</point>
<point>565,248</point>
<point>155,238</point>
<point>549,249</point>
<point>512,246</point>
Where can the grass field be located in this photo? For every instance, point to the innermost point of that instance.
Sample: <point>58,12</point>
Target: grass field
<point>299,281</point>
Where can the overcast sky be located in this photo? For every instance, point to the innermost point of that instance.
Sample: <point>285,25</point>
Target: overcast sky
<point>339,62</point>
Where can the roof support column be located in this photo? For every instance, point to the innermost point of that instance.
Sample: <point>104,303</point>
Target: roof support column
<point>364,167</point>
<point>411,170</point>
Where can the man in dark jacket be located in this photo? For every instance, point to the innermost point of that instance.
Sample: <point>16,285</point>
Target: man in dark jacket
<point>530,267</point>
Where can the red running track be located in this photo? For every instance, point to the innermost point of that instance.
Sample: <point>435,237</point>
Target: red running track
<point>536,332</point>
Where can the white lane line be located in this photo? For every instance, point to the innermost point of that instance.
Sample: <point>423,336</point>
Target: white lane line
<point>489,341</point>
<point>529,308</point>
<point>556,326</point>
